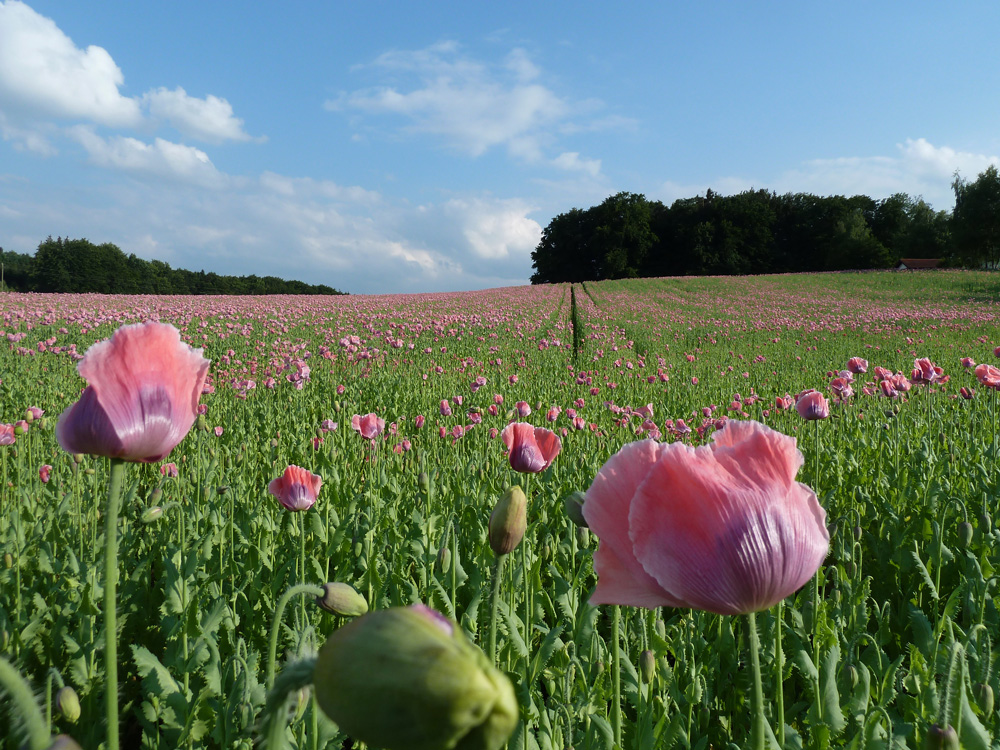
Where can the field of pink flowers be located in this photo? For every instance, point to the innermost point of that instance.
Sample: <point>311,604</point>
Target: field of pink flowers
<point>596,485</point>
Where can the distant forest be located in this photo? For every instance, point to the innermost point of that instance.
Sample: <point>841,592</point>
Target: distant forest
<point>757,232</point>
<point>65,265</point>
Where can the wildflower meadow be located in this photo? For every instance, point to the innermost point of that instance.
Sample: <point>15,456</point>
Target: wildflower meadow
<point>742,512</point>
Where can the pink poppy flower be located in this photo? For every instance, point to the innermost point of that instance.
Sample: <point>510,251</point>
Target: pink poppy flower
<point>523,410</point>
<point>219,430</point>
<point>532,449</point>
<point>968,362</point>
<point>369,426</point>
<point>857,365</point>
<point>43,473</point>
<point>418,421</point>
<point>169,470</point>
<point>888,389</point>
<point>445,408</point>
<point>32,413</point>
<point>142,397</point>
<point>7,434</point>
<point>924,371</point>
<point>841,388</point>
<point>296,489</point>
<point>966,393</point>
<point>812,405</point>
<point>988,375</point>
<point>723,527</point>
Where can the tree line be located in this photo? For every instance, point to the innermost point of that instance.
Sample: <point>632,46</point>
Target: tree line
<point>65,265</point>
<point>758,231</point>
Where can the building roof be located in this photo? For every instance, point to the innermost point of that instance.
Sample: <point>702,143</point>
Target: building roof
<point>919,262</point>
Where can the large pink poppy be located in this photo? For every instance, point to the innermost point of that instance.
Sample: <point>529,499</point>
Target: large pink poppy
<point>369,426</point>
<point>532,449</point>
<point>296,489</point>
<point>723,527</point>
<point>142,397</point>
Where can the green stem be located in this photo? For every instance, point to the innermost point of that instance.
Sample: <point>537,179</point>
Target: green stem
<point>279,609</point>
<point>757,734</point>
<point>779,663</point>
<point>616,676</point>
<point>110,600</point>
<point>497,575</point>
<point>14,685</point>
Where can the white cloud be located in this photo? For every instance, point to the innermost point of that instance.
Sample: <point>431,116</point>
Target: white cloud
<point>495,230</point>
<point>471,105</point>
<point>210,119</point>
<point>571,161</point>
<point>918,168</point>
<point>160,159</point>
<point>44,74</point>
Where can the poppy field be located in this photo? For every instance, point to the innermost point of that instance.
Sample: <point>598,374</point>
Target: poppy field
<point>651,513</point>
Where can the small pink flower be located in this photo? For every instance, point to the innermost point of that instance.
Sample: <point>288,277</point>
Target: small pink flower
<point>7,434</point>
<point>203,408</point>
<point>531,449</point>
<point>988,375</point>
<point>296,489</point>
<point>32,413</point>
<point>968,362</point>
<point>445,408</point>
<point>218,431</point>
<point>168,470</point>
<point>553,414</point>
<point>523,410</point>
<point>857,365</point>
<point>966,393</point>
<point>723,528</point>
<point>142,397</point>
<point>812,405</point>
<point>369,426</point>
<point>418,422</point>
<point>43,473</point>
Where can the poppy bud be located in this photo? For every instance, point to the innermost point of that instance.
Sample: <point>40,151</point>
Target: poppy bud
<point>202,423</point>
<point>939,738</point>
<point>583,536</point>
<point>660,627</point>
<point>965,532</point>
<point>984,697</point>
<point>155,495</point>
<point>647,666</point>
<point>444,560</point>
<point>63,742</point>
<point>342,599</point>
<point>508,521</point>
<point>852,675</point>
<point>574,508</point>
<point>78,458</point>
<point>8,560</point>
<point>68,704</point>
<point>151,514</point>
<point>431,687</point>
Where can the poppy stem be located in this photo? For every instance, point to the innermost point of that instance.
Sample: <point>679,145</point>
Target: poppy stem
<point>279,610</point>
<point>497,575</point>
<point>779,664</point>
<point>616,675</point>
<point>15,686</point>
<point>115,482</point>
<point>759,728</point>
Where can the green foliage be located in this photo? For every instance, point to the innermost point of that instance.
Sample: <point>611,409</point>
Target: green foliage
<point>976,219</point>
<point>65,265</point>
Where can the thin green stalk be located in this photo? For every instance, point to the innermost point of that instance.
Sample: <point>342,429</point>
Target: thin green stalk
<point>497,575</point>
<point>110,600</point>
<point>757,733</point>
<point>616,675</point>
<point>779,664</point>
<point>279,609</point>
<point>14,686</point>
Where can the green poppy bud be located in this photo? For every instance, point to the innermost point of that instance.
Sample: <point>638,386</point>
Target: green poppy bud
<point>647,666</point>
<point>152,514</point>
<point>939,738</point>
<point>984,697</point>
<point>424,481</point>
<point>574,508</point>
<point>342,599</point>
<point>408,679</point>
<point>583,536</point>
<point>8,560</point>
<point>444,560</point>
<point>965,532</point>
<point>154,497</point>
<point>202,423</point>
<point>508,521</point>
<point>68,704</point>
<point>78,458</point>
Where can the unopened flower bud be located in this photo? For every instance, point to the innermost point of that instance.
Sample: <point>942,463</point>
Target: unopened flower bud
<point>8,560</point>
<point>78,458</point>
<point>583,536</point>
<point>508,521</point>
<point>965,532</point>
<point>342,599</point>
<point>574,508</point>
<point>443,560</point>
<point>647,666</point>
<point>939,738</point>
<point>424,481</point>
<point>202,423</point>
<point>68,704</point>
<point>151,514</point>
<point>432,688</point>
<point>984,697</point>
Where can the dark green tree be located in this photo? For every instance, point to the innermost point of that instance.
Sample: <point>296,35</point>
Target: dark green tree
<point>975,222</point>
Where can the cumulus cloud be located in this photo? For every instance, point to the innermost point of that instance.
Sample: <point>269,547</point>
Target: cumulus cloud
<point>918,168</point>
<point>571,161</point>
<point>210,119</point>
<point>44,74</point>
<point>473,106</point>
<point>495,230</point>
<point>161,158</point>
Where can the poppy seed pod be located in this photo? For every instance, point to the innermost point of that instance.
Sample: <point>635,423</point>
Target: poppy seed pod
<point>408,679</point>
<point>941,738</point>
<point>342,599</point>
<point>68,704</point>
<point>984,697</point>
<point>508,521</point>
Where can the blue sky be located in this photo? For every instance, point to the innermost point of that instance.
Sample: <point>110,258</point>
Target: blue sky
<point>404,147</point>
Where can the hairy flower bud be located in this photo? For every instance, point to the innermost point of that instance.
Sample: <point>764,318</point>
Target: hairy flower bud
<point>508,521</point>
<point>574,508</point>
<point>647,666</point>
<point>68,704</point>
<point>408,679</point>
<point>941,738</point>
<point>342,599</point>
<point>984,697</point>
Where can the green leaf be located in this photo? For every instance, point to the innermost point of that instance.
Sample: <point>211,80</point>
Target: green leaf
<point>150,669</point>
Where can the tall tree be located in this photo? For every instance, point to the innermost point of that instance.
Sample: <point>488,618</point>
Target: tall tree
<point>975,222</point>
